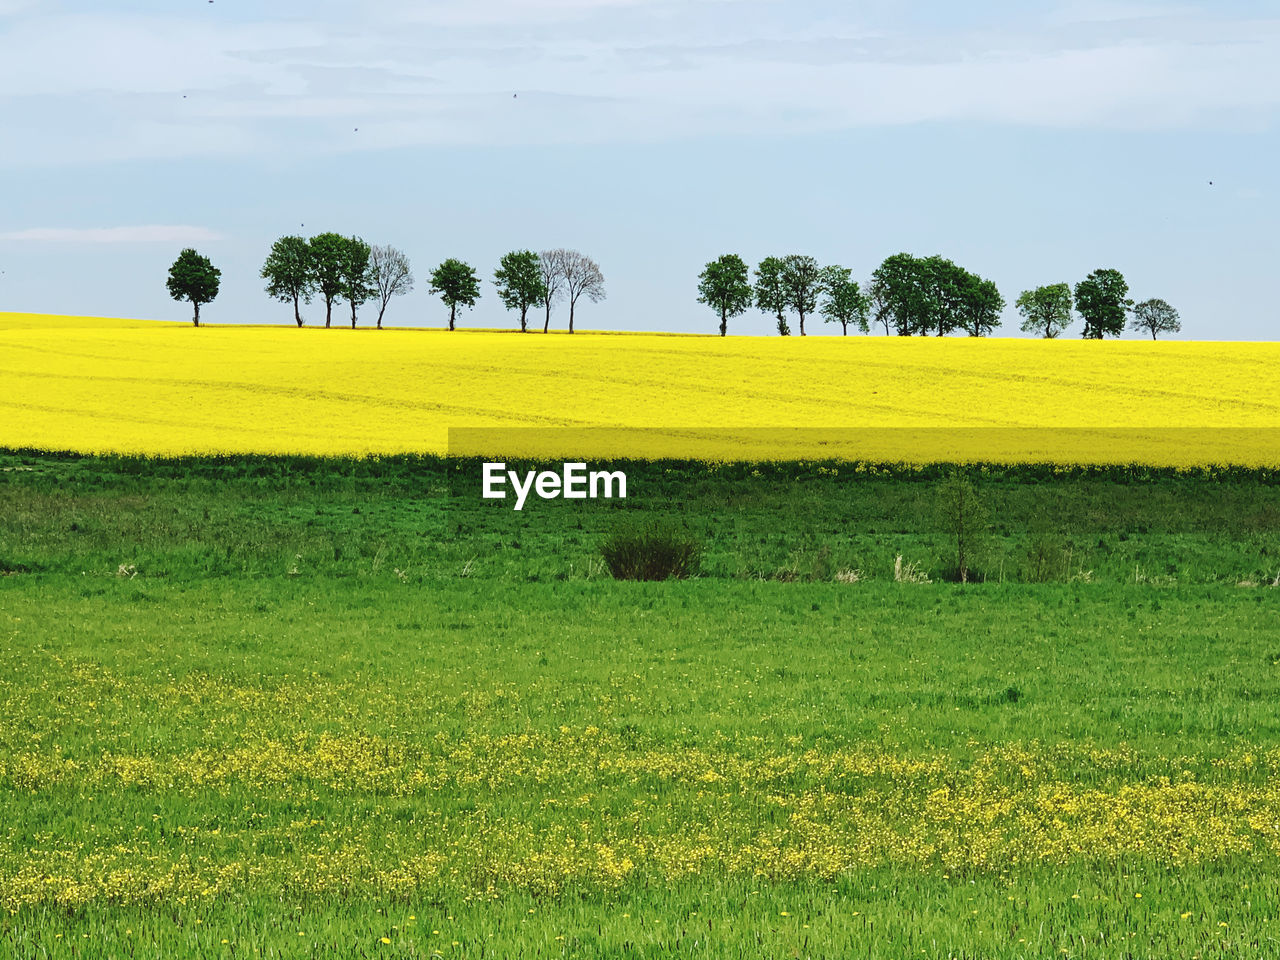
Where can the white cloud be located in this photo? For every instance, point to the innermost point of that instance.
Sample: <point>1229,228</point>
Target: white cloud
<point>443,73</point>
<point>96,235</point>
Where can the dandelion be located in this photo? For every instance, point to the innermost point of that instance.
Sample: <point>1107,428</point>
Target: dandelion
<point>386,939</point>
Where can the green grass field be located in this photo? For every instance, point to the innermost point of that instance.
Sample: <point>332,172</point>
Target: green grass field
<point>279,708</point>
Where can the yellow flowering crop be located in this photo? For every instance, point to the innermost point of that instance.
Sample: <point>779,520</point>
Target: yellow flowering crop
<point>98,385</point>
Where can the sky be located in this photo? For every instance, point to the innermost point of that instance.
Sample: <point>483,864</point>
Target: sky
<point>1031,142</point>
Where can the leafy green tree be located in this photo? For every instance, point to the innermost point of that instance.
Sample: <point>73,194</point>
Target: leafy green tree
<point>802,281</point>
<point>771,294</point>
<point>288,273</point>
<point>520,284</point>
<point>457,285</point>
<point>390,274</point>
<point>725,285</point>
<point>964,516</point>
<point>1103,301</point>
<point>357,280</point>
<point>844,302</point>
<point>899,291</point>
<point>980,304</point>
<point>1156,316</point>
<point>193,277</point>
<point>328,255</point>
<point>1046,310</point>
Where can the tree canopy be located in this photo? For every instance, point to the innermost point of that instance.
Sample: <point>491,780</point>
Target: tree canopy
<point>725,286</point>
<point>1154,317</point>
<point>520,283</point>
<point>844,302</point>
<point>581,275</point>
<point>390,274</point>
<point>802,284</point>
<point>193,277</point>
<point>357,281</point>
<point>1046,310</point>
<point>1103,301</point>
<point>328,255</point>
<point>457,285</point>
<point>771,294</point>
<point>289,275</point>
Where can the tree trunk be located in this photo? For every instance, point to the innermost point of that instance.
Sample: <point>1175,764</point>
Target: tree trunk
<point>453,310</point>
<point>802,323</point>
<point>297,315</point>
<point>328,312</point>
<point>524,318</point>
<point>353,314</point>
<point>547,325</point>
<point>381,311</point>
<point>1153,333</point>
<point>572,304</point>
<point>196,318</point>
<point>724,322</point>
<point>845,324</point>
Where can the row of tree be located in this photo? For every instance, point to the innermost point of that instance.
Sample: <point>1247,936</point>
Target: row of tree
<point>336,267</point>
<point>907,295</point>
<point>347,269</point>
<point>912,296</point>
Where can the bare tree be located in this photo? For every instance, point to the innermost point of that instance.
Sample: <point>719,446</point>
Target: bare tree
<point>581,275</point>
<point>549,261</point>
<point>389,270</point>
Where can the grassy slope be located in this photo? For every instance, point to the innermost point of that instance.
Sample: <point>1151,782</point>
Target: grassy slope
<point>379,736</point>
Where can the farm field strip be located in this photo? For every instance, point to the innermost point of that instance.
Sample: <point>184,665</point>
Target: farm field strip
<point>343,392</point>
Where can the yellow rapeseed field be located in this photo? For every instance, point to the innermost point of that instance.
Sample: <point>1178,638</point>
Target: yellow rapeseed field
<point>134,386</point>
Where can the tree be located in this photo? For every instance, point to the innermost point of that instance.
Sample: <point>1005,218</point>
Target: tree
<point>980,305</point>
<point>390,275</point>
<point>552,281</point>
<point>1156,316</point>
<point>520,284</point>
<point>357,282</point>
<point>802,282</point>
<point>1102,299</point>
<point>898,290</point>
<point>288,273</point>
<point>725,285</point>
<point>771,295</point>
<point>192,277</point>
<point>965,518</point>
<point>881,305</point>
<point>844,301</point>
<point>1046,310</point>
<point>328,251</point>
<point>457,285</point>
<point>944,292</point>
<point>581,276</point>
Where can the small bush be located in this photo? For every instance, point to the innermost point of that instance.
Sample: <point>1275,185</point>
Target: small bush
<point>964,518</point>
<point>654,551</point>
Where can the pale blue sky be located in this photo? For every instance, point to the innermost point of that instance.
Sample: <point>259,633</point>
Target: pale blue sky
<point>1030,141</point>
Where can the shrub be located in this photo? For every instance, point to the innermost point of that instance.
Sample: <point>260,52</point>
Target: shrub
<point>964,517</point>
<point>653,551</point>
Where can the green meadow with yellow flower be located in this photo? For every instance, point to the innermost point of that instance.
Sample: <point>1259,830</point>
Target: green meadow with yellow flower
<point>265,708</point>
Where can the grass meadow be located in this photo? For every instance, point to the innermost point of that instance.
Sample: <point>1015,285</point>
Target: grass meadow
<point>272,707</point>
